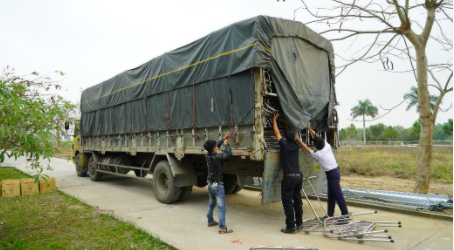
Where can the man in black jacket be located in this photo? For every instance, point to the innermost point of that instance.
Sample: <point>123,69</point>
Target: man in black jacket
<point>215,184</point>
<point>291,181</point>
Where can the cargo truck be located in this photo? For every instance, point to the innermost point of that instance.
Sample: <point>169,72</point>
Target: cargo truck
<point>154,119</point>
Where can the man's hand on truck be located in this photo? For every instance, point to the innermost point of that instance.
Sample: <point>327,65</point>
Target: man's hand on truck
<point>227,136</point>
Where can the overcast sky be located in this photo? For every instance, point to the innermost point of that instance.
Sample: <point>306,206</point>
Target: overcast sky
<point>92,41</point>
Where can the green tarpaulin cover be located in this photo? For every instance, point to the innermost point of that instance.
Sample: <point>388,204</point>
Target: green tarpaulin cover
<point>197,85</point>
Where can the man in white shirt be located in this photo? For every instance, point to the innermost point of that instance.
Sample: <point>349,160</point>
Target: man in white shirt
<point>325,157</point>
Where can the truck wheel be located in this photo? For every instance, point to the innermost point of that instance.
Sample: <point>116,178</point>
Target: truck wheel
<point>237,189</point>
<point>92,173</point>
<point>230,183</point>
<point>140,173</point>
<point>202,181</point>
<point>164,184</point>
<point>185,193</point>
<point>81,172</point>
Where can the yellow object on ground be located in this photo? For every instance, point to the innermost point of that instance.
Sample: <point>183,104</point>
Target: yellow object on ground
<point>10,188</point>
<point>28,186</point>
<point>47,186</point>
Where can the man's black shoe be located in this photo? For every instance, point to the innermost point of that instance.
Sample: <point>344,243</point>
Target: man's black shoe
<point>299,228</point>
<point>288,230</point>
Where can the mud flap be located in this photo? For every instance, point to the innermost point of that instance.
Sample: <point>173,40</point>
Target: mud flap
<point>272,176</point>
<point>309,167</point>
<point>183,171</point>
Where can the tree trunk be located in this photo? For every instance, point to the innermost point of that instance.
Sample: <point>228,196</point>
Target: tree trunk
<point>364,129</point>
<point>425,123</point>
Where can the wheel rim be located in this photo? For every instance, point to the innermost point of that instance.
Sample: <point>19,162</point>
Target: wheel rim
<point>163,183</point>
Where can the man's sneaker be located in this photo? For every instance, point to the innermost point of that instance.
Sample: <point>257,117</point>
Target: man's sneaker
<point>299,228</point>
<point>288,230</point>
<point>324,217</point>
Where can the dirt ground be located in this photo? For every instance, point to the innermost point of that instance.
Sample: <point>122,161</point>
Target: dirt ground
<point>392,184</point>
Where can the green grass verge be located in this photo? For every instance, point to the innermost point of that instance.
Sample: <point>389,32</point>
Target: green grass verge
<point>11,173</point>
<point>399,162</point>
<point>58,221</point>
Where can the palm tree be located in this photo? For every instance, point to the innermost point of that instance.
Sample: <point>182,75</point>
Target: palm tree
<point>364,108</point>
<point>413,99</point>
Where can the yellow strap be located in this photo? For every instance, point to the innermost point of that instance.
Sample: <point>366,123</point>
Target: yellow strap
<point>184,67</point>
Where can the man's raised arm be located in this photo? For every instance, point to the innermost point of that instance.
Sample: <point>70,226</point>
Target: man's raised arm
<point>275,128</point>
<point>303,145</point>
<point>310,130</point>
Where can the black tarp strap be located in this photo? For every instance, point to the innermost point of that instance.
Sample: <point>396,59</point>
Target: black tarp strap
<point>167,111</point>
<point>193,107</point>
<point>230,101</point>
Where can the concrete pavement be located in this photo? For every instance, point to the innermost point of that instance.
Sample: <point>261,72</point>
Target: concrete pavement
<point>183,225</point>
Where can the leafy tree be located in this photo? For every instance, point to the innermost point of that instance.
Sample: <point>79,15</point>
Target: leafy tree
<point>402,133</point>
<point>412,97</point>
<point>64,112</point>
<point>447,127</point>
<point>342,134</point>
<point>439,133</point>
<point>375,132</point>
<point>28,110</point>
<point>364,108</point>
<point>351,131</point>
<point>390,133</point>
<point>414,131</point>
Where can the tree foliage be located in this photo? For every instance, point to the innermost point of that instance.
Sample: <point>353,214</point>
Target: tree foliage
<point>412,97</point>
<point>364,108</point>
<point>390,133</point>
<point>375,132</point>
<point>447,127</point>
<point>29,112</point>
<point>410,134</point>
<point>348,133</point>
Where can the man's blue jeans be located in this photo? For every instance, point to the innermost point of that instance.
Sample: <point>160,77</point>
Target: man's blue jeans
<point>217,197</point>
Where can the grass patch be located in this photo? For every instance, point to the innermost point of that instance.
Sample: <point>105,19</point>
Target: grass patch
<point>11,173</point>
<point>58,221</point>
<point>400,162</point>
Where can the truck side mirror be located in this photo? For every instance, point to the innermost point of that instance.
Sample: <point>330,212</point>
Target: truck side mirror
<point>66,125</point>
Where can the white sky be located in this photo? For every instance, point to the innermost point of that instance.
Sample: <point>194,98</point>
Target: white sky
<point>92,41</point>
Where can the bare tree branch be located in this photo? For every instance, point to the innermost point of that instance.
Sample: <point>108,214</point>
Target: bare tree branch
<point>440,98</point>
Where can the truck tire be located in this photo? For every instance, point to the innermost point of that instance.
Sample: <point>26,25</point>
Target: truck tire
<point>185,193</point>
<point>140,173</point>
<point>92,173</point>
<point>81,171</point>
<point>202,181</point>
<point>230,183</point>
<point>237,189</point>
<point>164,184</point>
